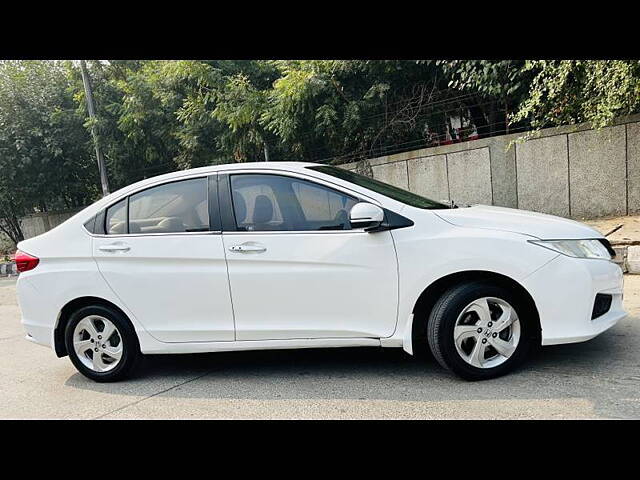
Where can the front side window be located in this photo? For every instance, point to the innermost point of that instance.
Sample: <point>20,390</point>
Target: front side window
<point>382,188</point>
<point>170,208</point>
<point>278,203</point>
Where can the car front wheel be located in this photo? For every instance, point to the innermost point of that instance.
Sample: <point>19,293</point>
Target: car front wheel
<point>101,343</point>
<point>480,330</point>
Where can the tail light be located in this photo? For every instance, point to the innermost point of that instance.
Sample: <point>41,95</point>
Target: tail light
<point>26,262</point>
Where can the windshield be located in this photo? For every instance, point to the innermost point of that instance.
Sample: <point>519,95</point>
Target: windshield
<point>379,187</point>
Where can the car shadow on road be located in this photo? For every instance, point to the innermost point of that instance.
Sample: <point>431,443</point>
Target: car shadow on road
<point>373,373</point>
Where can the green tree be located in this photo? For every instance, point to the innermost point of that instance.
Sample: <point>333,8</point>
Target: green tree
<point>44,162</point>
<point>353,109</point>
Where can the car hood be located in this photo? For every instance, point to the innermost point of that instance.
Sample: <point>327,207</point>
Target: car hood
<point>534,224</point>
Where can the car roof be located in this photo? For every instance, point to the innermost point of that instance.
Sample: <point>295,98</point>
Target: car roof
<point>298,166</point>
<point>290,166</point>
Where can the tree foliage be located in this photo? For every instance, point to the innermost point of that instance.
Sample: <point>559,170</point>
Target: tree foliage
<point>43,144</point>
<point>565,92</point>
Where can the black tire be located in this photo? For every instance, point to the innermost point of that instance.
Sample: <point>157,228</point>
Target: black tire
<point>130,352</point>
<point>443,318</point>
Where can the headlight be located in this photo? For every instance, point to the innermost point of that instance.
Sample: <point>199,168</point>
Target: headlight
<point>576,248</point>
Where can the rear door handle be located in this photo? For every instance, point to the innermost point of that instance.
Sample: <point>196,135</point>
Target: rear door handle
<point>114,248</point>
<point>247,248</point>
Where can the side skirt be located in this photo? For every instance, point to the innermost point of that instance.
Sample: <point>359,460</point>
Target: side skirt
<point>150,348</point>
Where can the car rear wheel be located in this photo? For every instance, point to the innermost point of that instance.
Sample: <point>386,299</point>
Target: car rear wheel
<point>479,330</point>
<point>101,343</point>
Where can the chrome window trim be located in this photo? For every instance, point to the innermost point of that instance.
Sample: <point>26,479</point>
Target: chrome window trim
<point>160,234</point>
<point>285,232</point>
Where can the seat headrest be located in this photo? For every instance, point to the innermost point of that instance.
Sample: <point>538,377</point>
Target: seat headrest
<point>239,207</point>
<point>262,210</point>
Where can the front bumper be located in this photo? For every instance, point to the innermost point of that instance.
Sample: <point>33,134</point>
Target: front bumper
<point>564,291</point>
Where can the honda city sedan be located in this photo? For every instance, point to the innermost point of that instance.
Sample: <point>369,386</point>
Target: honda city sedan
<point>287,255</point>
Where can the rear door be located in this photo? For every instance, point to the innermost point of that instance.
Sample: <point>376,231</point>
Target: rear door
<point>296,268</point>
<point>161,252</point>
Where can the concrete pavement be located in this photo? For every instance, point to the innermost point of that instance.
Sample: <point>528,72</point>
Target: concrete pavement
<point>596,379</point>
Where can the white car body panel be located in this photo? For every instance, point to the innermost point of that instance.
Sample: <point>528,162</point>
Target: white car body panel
<point>538,225</point>
<point>183,276</point>
<point>361,288</point>
<point>313,285</point>
<point>432,249</point>
<point>567,316</point>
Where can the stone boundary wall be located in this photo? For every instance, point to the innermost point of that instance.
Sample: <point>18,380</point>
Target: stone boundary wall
<point>7,269</point>
<point>571,171</point>
<point>38,223</point>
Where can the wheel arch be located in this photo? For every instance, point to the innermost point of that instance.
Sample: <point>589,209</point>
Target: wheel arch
<point>430,295</point>
<point>66,312</point>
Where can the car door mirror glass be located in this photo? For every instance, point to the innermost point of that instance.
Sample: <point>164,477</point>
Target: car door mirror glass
<point>366,215</point>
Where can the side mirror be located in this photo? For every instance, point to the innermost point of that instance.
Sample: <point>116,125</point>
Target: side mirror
<point>366,215</point>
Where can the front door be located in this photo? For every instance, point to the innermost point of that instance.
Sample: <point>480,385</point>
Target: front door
<point>162,259</point>
<point>298,270</point>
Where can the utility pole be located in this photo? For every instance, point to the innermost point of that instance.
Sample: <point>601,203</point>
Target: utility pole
<point>92,115</point>
<point>266,152</point>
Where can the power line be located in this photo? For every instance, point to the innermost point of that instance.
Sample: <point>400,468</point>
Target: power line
<point>441,125</point>
<point>427,142</point>
<point>418,107</point>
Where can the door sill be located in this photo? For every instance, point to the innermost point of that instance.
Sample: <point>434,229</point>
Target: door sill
<point>205,347</point>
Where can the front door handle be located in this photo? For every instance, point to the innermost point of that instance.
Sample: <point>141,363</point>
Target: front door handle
<point>114,248</point>
<point>247,248</point>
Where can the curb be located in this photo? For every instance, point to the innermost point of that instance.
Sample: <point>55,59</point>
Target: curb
<point>632,259</point>
<point>627,256</point>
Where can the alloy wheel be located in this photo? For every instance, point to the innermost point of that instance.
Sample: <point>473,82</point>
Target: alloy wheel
<point>97,343</point>
<point>487,332</point>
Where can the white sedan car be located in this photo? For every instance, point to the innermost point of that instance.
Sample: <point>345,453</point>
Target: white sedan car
<point>285,255</point>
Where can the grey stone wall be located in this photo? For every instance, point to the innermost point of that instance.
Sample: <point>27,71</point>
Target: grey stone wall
<point>543,175</point>
<point>8,269</point>
<point>571,171</point>
<point>38,223</point>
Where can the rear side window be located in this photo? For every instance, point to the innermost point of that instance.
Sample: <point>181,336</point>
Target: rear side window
<point>116,218</point>
<point>173,207</point>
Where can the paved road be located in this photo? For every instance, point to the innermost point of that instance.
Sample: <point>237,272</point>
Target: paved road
<point>596,379</point>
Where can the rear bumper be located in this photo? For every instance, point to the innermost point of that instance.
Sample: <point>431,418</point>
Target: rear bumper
<point>35,313</point>
<point>565,290</point>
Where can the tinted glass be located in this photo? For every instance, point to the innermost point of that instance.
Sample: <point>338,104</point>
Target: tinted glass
<point>116,219</point>
<point>90,225</point>
<point>323,207</point>
<point>380,187</point>
<point>173,207</point>
<point>273,202</point>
